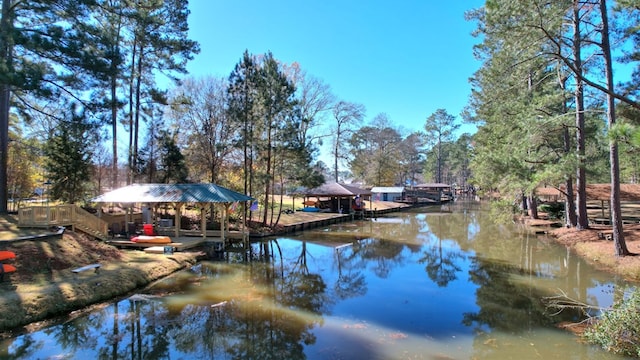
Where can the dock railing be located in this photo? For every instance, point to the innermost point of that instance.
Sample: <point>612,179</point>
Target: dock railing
<point>63,215</point>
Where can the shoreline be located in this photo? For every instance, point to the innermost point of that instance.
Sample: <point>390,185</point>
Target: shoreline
<point>45,289</point>
<point>600,252</point>
<point>594,246</point>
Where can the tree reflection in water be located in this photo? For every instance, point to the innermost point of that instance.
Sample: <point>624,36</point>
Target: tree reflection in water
<point>442,265</point>
<point>351,280</point>
<point>421,284</point>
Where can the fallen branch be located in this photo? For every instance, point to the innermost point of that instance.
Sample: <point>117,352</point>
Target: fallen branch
<point>563,301</point>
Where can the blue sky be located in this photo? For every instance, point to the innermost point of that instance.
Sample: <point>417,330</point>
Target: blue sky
<point>404,58</point>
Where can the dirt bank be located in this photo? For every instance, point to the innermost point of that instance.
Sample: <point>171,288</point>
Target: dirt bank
<point>44,286</point>
<point>601,252</point>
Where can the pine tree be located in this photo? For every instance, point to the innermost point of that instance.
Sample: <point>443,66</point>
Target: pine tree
<point>440,127</point>
<point>68,156</point>
<point>42,54</point>
<point>173,169</point>
<point>159,44</point>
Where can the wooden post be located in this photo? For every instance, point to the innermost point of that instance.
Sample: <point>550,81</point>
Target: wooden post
<point>223,221</point>
<point>203,221</point>
<point>178,207</point>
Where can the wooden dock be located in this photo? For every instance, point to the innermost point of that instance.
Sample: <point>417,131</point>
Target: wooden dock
<point>289,223</point>
<point>178,244</point>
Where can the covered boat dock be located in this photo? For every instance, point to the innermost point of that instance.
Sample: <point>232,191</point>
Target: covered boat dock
<point>338,198</point>
<point>203,196</point>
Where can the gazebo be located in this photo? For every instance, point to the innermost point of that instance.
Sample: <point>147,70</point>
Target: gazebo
<point>177,195</point>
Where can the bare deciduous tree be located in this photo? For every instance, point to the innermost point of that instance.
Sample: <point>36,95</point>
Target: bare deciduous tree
<point>346,115</point>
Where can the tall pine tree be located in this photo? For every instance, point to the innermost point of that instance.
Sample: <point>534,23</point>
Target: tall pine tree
<point>68,156</point>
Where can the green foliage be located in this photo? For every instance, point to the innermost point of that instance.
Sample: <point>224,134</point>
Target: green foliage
<point>440,128</point>
<point>275,155</point>
<point>455,158</point>
<point>172,168</point>
<point>412,158</point>
<point>43,46</point>
<point>68,157</point>
<point>554,210</point>
<point>618,330</point>
<point>376,152</point>
<point>502,211</point>
<point>53,51</point>
<point>24,166</point>
<point>628,137</point>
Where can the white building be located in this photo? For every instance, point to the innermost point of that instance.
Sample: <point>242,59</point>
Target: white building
<point>387,193</point>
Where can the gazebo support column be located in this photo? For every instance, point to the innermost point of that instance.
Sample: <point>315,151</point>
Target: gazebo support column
<point>203,221</point>
<point>178,207</point>
<point>223,221</point>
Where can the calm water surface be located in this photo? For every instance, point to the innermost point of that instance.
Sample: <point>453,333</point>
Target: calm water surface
<point>431,283</point>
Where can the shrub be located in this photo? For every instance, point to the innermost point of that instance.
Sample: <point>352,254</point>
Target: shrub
<point>502,211</point>
<point>555,210</point>
<point>618,330</point>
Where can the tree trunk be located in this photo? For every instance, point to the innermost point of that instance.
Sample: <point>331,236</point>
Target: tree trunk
<point>114,130</point>
<point>5,95</point>
<point>581,181</point>
<point>533,206</point>
<point>267,185</point>
<point>616,212</point>
<point>570,204</point>
<point>245,151</point>
<point>136,123</point>
<point>134,57</point>
<point>335,155</point>
<point>570,201</point>
<point>6,56</point>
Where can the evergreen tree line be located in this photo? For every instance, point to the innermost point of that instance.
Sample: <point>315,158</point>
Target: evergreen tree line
<point>555,101</point>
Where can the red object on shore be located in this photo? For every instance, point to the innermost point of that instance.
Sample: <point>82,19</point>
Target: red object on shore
<point>147,229</point>
<point>7,269</point>
<point>6,255</point>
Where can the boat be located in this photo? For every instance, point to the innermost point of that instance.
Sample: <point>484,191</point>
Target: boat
<point>156,239</point>
<point>7,255</point>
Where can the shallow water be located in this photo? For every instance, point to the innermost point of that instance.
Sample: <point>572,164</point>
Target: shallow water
<point>431,283</point>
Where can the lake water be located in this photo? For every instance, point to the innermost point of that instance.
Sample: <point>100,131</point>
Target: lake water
<point>429,283</point>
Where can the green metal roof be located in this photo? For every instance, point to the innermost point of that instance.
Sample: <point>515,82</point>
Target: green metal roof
<point>172,193</point>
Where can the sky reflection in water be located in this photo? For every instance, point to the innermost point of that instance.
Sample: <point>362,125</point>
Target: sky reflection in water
<point>429,283</point>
